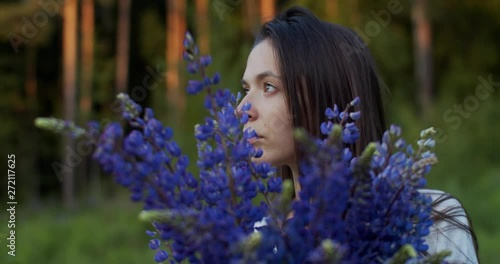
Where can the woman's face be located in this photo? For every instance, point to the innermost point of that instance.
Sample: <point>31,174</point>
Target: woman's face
<point>268,116</point>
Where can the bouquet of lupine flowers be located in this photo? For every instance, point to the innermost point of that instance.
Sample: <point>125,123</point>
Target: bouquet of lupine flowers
<point>364,209</point>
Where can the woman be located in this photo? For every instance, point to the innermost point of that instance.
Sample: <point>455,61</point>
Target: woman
<point>297,68</point>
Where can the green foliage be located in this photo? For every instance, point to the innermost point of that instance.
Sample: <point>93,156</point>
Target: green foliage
<point>468,166</point>
<point>110,233</point>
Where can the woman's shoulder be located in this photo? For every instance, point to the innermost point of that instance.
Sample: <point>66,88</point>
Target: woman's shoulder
<point>434,193</point>
<point>444,201</point>
<point>451,229</point>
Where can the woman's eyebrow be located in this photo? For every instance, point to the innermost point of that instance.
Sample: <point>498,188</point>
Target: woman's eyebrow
<point>261,76</point>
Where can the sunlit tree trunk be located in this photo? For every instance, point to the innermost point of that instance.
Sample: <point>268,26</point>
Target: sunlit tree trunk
<point>89,173</point>
<point>267,10</point>
<point>176,28</point>
<point>422,38</point>
<point>203,22</point>
<point>332,10</point>
<point>87,58</point>
<point>251,15</point>
<point>355,14</point>
<point>123,45</point>
<point>70,16</point>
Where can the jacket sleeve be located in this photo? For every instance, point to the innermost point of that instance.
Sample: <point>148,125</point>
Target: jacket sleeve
<point>449,234</point>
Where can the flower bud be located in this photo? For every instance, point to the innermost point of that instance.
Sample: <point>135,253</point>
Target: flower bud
<point>59,126</point>
<point>331,114</point>
<point>253,241</point>
<point>427,132</point>
<point>161,256</point>
<point>368,153</point>
<point>216,78</point>
<point>188,40</point>
<point>355,115</point>
<point>355,102</point>
<point>205,61</point>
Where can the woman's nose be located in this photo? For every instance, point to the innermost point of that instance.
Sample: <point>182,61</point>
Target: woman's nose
<point>252,112</point>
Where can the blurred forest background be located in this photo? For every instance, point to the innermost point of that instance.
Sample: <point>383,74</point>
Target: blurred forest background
<point>439,60</point>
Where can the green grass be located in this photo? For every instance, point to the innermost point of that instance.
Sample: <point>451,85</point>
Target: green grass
<point>109,233</point>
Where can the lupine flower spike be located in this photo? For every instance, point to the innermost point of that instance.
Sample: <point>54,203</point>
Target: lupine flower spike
<point>364,209</point>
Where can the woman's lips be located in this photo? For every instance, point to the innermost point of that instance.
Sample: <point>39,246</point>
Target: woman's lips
<point>254,140</point>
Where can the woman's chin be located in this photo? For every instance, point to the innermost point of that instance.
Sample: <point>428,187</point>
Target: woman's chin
<point>263,159</point>
<point>259,160</point>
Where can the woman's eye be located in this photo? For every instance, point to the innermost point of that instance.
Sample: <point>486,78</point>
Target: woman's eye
<point>245,90</point>
<point>269,88</point>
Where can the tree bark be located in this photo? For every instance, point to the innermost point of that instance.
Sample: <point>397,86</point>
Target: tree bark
<point>203,22</point>
<point>267,10</point>
<point>332,9</point>
<point>87,58</point>
<point>176,28</point>
<point>122,46</point>
<point>70,16</point>
<point>90,177</point>
<point>251,17</point>
<point>422,38</point>
<point>355,15</point>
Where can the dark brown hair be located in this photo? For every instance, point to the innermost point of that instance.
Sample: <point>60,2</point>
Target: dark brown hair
<point>323,64</point>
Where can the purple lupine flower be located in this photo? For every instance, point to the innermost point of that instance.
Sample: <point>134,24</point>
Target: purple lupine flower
<point>349,210</point>
<point>161,256</point>
<point>331,114</point>
<point>154,243</point>
<point>205,60</point>
<point>192,67</point>
<point>355,102</point>
<point>216,78</point>
<point>355,115</point>
<point>194,87</point>
<point>350,133</point>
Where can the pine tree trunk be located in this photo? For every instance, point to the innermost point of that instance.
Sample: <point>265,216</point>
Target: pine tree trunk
<point>332,10</point>
<point>355,14</point>
<point>123,45</point>
<point>176,28</point>
<point>89,176</point>
<point>267,10</point>
<point>70,16</point>
<point>251,15</point>
<point>422,38</point>
<point>87,58</point>
<point>203,22</point>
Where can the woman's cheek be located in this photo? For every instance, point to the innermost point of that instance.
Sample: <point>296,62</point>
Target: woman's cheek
<point>279,124</point>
